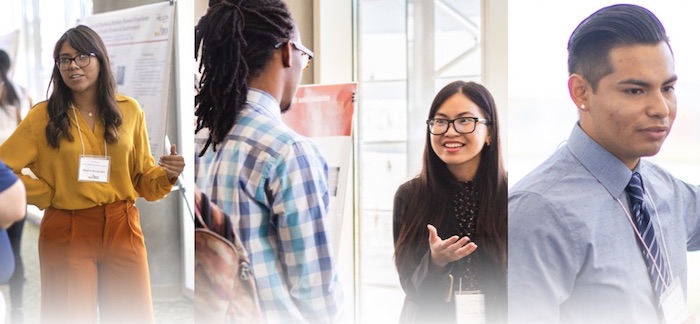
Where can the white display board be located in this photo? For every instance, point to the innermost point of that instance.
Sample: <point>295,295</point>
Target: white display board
<point>139,42</point>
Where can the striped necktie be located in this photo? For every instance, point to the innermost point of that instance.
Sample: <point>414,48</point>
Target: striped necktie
<point>652,252</point>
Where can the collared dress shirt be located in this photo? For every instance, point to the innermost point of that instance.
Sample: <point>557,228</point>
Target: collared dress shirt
<point>273,183</point>
<point>573,252</point>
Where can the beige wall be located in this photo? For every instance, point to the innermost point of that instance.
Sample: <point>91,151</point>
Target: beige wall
<point>99,6</point>
<point>200,7</point>
<point>302,11</point>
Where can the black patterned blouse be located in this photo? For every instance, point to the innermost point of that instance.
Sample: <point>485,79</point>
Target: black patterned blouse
<point>466,209</point>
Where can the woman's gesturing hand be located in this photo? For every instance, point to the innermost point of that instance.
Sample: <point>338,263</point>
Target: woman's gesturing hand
<point>448,250</point>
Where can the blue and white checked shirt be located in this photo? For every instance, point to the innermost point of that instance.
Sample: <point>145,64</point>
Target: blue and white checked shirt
<point>273,184</point>
<point>573,255</point>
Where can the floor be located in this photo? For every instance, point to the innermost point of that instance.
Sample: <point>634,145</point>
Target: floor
<point>166,311</point>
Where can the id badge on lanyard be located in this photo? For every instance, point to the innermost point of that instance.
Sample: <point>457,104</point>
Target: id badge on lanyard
<point>470,306</point>
<point>93,168</point>
<point>673,304</point>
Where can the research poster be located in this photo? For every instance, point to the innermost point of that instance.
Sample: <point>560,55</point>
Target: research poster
<point>324,113</point>
<point>139,42</point>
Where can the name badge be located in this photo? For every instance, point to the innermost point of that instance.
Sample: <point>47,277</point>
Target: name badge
<point>93,168</point>
<point>470,307</point>
<point>673,304</point>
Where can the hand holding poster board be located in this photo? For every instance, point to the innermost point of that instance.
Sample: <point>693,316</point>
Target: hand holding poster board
<point>324,114</point>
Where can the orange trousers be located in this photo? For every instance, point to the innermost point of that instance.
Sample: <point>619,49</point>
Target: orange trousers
<point>93,264</point>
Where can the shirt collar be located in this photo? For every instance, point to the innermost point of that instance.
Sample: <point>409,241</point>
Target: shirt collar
<point>605,167</point>
<point>264,103</point>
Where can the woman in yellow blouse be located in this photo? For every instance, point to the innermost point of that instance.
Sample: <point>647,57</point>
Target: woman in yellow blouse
<point>88,147</point>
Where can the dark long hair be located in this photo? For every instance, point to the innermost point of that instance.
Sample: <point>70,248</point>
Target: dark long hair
<point>237,40</point>
<point>9,96</point>
<point>429,202</point>
<point>84,40</point>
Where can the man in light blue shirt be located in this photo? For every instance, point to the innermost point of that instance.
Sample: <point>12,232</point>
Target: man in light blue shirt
<point>271,181</point>
<point>574,251</point>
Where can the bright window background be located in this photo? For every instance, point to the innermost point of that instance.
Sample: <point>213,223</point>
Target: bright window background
<point>408,50</point>
<point>41,23</point>
<point>541,114</point>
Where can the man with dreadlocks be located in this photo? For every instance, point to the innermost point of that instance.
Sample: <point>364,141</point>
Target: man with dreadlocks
<point>269,179</point>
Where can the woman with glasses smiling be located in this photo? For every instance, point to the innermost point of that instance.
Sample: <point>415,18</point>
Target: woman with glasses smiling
<point>450,222</point>
<point>88,149</point>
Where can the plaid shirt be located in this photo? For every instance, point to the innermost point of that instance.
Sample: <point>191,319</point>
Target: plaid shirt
<point>273,184</point>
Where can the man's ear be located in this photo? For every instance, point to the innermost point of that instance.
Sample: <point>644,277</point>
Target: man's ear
<point>579,89</point>
<point>286,56</point>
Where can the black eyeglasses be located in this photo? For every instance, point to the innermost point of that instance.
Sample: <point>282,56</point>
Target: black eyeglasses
<point>81,60</point>
<point>463,125</point>
<point>303,49</point>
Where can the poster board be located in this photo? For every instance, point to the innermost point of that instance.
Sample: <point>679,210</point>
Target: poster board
<point>324,114</point>
<point>139,42</point>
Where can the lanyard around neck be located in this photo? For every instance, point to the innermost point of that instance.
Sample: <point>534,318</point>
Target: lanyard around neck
<point>660,230</point>
<point>80,132</point>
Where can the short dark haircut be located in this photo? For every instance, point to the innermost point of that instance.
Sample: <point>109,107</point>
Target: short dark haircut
<point>608,28</point>
<point>236,39</point>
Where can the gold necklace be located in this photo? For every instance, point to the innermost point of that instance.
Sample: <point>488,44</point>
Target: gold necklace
<point>88,112</point>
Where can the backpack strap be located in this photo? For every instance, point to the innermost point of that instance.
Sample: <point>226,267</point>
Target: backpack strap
<point>209,216</point>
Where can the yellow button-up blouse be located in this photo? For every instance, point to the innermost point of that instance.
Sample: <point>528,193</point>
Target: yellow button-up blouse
<point>133,172</point>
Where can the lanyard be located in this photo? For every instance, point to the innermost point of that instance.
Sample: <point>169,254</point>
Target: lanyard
<point>639,236</point>
<point>80,133</point>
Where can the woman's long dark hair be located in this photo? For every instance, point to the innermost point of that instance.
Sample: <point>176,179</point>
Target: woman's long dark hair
<point>84,40</point>
<point>9,96</point>
<point>429,202</point>
<point>236,39</point>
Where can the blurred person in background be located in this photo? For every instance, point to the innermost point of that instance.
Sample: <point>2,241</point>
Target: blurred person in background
<point>15,103</point>
<point>13,205</point>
